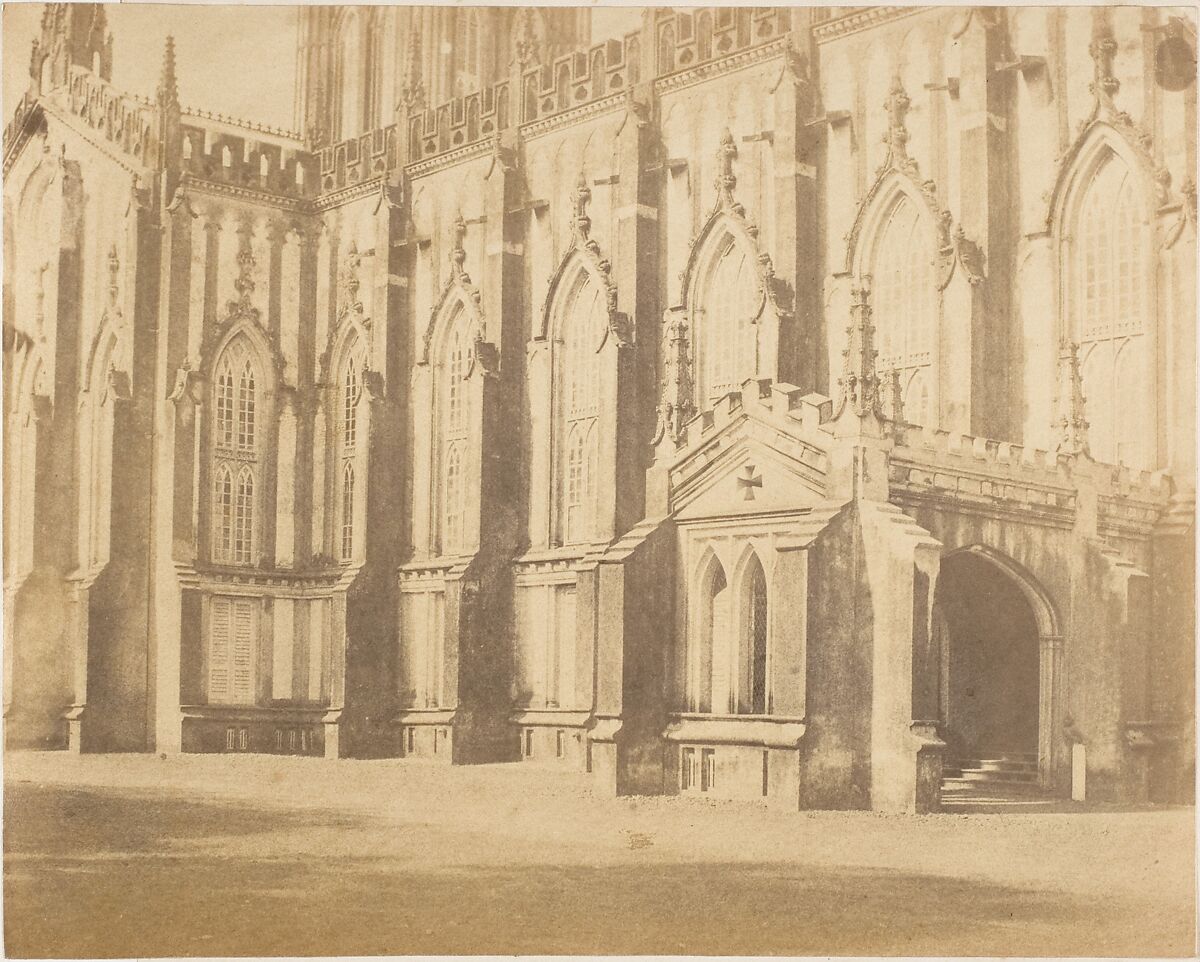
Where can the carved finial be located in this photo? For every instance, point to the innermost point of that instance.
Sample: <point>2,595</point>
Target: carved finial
<point>244,284</point>
<point>726,180</point>
<point>581,223</point>
<point>412,94</point>
<point>350,282</point>
<point>892,402</point>
<point>896,136</point>
<point>1103,49</point>
<point>1072,423</point>
<point>114,271</point>
<point>678,405</point>
<point>458,255</point>
<point>859,384</point>
<point>168,84</point>
<point>526,49</point>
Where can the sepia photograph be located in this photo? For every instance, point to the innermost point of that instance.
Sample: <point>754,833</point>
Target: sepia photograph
<point>599,480</point>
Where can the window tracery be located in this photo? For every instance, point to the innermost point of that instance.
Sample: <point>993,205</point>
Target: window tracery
<point>235,454</point>
<point>1105,291</point>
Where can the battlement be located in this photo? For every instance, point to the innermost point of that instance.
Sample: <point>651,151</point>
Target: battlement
<point>218,152</point>
<point>1008,460</point>
<point>458,122</point>
<point>680,41</point>
<point>125,121</point>
<point>761,395</point>
<point>686,39</point>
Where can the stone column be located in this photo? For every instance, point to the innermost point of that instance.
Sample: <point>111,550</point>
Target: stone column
<point>796,253</point>
<point>984,213</point>
<point>635,234</point>
<point>1051,775</point>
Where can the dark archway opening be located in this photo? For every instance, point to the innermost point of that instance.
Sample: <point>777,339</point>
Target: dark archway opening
<point>990,661</point>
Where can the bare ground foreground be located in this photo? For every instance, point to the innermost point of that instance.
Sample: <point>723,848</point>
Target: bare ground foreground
<point>245,855</point>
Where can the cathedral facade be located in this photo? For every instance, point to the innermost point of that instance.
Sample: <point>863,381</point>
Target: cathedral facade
<point>785,404</point>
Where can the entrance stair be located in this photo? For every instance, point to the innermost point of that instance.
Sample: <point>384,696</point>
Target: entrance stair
<point>1007,780</point>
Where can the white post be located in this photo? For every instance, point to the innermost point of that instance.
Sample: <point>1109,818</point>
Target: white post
<point>1078,772</point>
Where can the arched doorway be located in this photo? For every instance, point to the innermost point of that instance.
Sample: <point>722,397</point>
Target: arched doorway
<point>997,684</point>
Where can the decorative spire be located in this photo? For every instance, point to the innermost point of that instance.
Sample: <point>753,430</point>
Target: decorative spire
<point>168,84</point>
<point>859,383</point>
<point>677,406</point>
<point>581,224</point>
<point>350,282</point>
<point>892,402</point>
<point>1072,423</point>
<point>726,181</point>
<point>1103,49</point>
<point>412,94</point>
<point>114,272</point>
<point>896,135</point>
<point>244,284</point>
<point>458,254</point>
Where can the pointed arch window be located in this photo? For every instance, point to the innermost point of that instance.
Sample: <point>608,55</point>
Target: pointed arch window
<point>579,376</point>
<point>349,450</point>
<point>905,303</point>
<point>454,493</point>
<point>235,454</point>
<point>347,510</point>
<point>727,309</point>
<point>708,677</point>
<point>1106,292</point>
<point>452,417</point>
<point>752,654</point>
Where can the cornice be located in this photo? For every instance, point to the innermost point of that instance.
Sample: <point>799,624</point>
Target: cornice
<point>863,18</point>
<point>717,68</point>
<point>1039,516</point>
<point>347,195</point>
<point>449,159</point>
<point>573,116</point>
<point>262,198</point>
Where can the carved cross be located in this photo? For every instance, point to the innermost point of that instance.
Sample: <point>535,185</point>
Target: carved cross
<point>749,480</point>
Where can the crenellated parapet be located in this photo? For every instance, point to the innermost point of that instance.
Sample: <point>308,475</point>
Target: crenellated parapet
<point>459,122</point>
<point>1035,483</point>
<point>670,45</point>
<point>222,151</point>
<point>123,120</point>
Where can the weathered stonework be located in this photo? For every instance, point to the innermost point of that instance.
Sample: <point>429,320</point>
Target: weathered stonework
<point>552,402</point>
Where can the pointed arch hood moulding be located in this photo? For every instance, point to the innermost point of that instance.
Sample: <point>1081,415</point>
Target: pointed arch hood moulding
<point>460,289</point>
<point>584,251</point>
<point>899,173</point>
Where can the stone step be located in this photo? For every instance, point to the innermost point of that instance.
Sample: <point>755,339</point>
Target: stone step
<point>957,771</point>
<point>998,764</point>
<point>991,787</point>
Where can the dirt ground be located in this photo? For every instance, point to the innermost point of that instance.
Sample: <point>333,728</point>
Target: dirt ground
<point>111,856</point>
